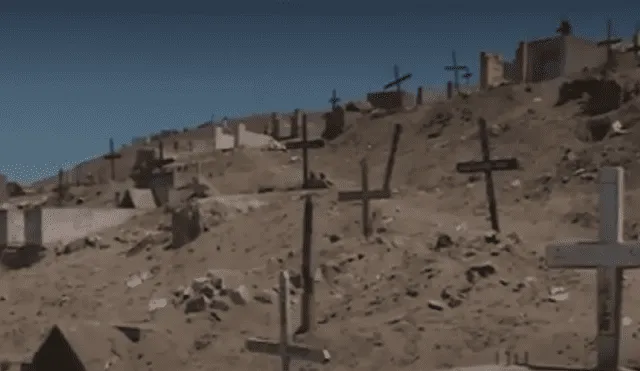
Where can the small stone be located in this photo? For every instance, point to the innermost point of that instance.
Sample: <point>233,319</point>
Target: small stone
<point>218,304</point>
<point>155,304</point>
<point>557,294</point>
<point>435,305</point>
<point>240,295</point>
<point>196,304</point>
<point>443,241</point>
<point>265,296</point>
<point>198,283</point>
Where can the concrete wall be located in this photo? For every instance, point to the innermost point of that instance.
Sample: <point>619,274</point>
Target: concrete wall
<point>49,225</point>
<point>582,53</point>
<point>67,224</point>
<point>546,58</point>
<point>491,70</point>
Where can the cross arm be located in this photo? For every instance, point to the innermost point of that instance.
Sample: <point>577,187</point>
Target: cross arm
<point>112,156</point>
<point>357,195</point>
<point>300,352</point>
<point>493,165</point>
<point>593,254</point>
<point>316,143</point>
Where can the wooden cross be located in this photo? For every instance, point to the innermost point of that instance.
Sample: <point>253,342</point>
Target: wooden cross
<point>391,160</point>
<point>609,42</point>
<point>397,79</point>
<point>610,256</point>
<point>333,100</point>
<point>112,156</point>
<point>305,144</point>
<point>365,195</point>
<point>456,70</point>
<point>307,316</point>
<point>62,187</point>
<point>285,347</point>
<point>385,192</point>
<point>487,166</point>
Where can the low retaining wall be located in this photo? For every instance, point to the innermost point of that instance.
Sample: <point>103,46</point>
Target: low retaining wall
<point>49,225</point>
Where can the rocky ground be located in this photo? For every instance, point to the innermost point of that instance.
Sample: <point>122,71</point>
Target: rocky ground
<point>431,288</point>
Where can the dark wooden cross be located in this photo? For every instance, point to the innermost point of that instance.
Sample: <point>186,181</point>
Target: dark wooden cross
<point>397,79</point>
<point>487,166</point>
<point>365,195</point>
<point>609,42</point>
<point>112,156</point>
<point>333,100</point>
<point>610,255</point>
<point>285,347</point>
<point>456,70</point>
<point>636,46</point>
<point>62,187</point>
<point>307,315</point>
<point>391,160</point>
<point>305,144</point>
<point>385,192</point>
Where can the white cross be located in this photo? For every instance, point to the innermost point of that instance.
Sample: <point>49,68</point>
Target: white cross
<point>610,256</point>
<point>285,349</point>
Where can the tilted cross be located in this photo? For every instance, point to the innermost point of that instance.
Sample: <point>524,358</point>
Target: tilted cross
<point>636,46</point>
<point>609,42</point>
<point>307,315</point>
<point>365,195</point>
<point>487,166</point>
<point>305,145</point>
<point>391,160</point>
<point>285,347</point>
<point>610,256</point>
<point>397,79</point>
<point>456,70</point>
<point>112,156</point>
<point>334,99</point>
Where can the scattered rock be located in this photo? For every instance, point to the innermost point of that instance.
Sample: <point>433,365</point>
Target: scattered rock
<point>436,305</point>
<point>240,295</point>
<point>444,241</point>
<point>265,296</point>
<point>195,304</point>
<point>557,294</point>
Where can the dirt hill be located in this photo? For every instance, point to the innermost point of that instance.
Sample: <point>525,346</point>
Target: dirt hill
<point>429,290</point>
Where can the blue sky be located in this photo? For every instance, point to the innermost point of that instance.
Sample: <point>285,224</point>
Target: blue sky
<point>74,73</point>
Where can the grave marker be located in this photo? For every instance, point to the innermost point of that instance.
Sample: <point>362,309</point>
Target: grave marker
<point>609,255</point>
<point>307,316</point>
<point>636,43</point>
<point>365,195</point>
<point>456,70</point>
<point>334,100</point>
<point>112,156</point>
<point>487,166</point>
<point>285,347</point>
<point>385,192</point>
<point>397,79</point>
<point>609,42</point>
<point>61,189</point>
<point>305,144</point>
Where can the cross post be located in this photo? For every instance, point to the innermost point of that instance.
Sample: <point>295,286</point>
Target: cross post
<point>397,79</point>
<point>307,316</point>
<point>333,100</point>
<point>456,70</point>
<point>112,156</point>
<point>609,42</point>
<point>305,144</point>
<point>365,195</point>
<point>391,160</point>
<point>610,255</point>
<point>285,347</point>
<point>62,187</point>
<point>487,166</point>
